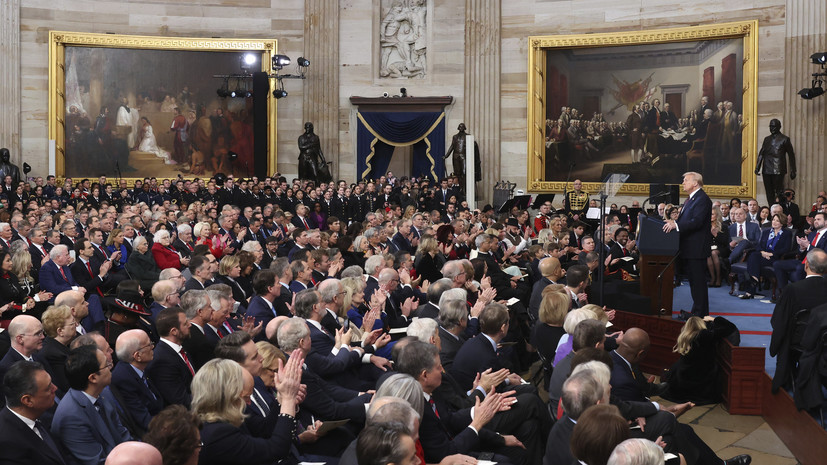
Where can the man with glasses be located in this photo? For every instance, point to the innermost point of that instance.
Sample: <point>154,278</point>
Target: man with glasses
<point>26,335</point>
<point>87,422</point>
<point>130,384</point>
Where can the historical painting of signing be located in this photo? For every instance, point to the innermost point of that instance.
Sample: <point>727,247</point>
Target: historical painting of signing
<point>135,106</point>
<point>650,104</point>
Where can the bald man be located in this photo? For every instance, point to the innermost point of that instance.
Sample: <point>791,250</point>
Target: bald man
<point>26,335</point>
<point>130,384</point>
<point>551,271</point>
<point>628,382</point>
<point>134,453</point>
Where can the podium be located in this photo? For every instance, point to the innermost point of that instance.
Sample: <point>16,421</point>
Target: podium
<point>658,251</point>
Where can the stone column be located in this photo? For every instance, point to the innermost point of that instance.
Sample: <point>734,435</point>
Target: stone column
<point>10,90</point>
<point>804,120</point>
<point>321,89</point>
<point>482,87</point>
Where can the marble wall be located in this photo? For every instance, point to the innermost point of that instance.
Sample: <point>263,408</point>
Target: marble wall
<point>788,29</point>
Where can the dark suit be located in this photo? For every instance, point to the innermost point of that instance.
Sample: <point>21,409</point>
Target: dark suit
<point>195,284</point>
<point>182,248</point>
<point>537,297</point>
<point>199,349</point>
<point>139,400</point>
<point>311,223</point>
<point>401,243</point>
<point>694,224</point>
<point>328,401</point>
<point>558,451</point>
<point>11,357</point>
<point>752,235</point>
<point>805,294</point>
<point>476,356</point>
<point>170,375</point>
<point>19,444</point>
<point>261,311</point>
<point>91,282</point>
<point>627,383</point>
<point>37,257</point>
<point>53,281</point>
<point>450,346</point>
<point>793,270</point>
<point>53,356</point>
<point>87,434</point>
<point>428,310</point>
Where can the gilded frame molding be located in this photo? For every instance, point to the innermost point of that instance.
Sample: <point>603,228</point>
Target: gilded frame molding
<point>59,40</point>
<point>539,45</point>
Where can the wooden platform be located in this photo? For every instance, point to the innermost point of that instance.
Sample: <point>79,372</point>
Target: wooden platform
<point>799,431</point>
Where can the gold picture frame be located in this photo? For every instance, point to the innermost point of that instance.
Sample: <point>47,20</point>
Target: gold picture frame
<point>742,33</point>
<point>62,41</point>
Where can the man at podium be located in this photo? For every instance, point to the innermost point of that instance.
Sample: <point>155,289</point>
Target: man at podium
<point>693,225</point>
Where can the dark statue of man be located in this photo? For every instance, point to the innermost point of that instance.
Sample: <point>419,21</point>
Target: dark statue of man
<point>7,168</point>
<point>773,158</point>
<point>458,150</point>
<point>312,164</point>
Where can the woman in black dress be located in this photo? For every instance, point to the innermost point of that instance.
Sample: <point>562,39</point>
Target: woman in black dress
<point>694,377</point>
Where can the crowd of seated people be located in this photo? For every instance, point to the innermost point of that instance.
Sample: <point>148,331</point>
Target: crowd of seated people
<point>199,315</point>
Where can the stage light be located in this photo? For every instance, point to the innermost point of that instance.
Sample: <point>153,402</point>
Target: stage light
<point>280,61</point>
<point>223,91</point>
<point>819,58</point>
<point>811,93</point>
<point>279,93</point>
<point>249,59</point>
<point>303,62</point>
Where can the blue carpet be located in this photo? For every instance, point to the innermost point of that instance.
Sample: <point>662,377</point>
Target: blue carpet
<point>751,316</point>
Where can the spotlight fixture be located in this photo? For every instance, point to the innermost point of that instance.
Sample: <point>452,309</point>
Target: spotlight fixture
<point>819,58</point>
<point>811,93</point>
<point>247,61</point>
<point>303,62</point>
<point>223,91</point>
<point>280,61</point>
<point>279,93</point>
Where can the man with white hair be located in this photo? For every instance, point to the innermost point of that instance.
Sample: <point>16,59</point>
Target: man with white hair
<point>6,234</point>
<point>373,266</point>
<point>130,385</point>
<point>199,311</point>
<point>636,451</point>
<point>183,243</point>
<point>55,275</point>
<point>398,304</point>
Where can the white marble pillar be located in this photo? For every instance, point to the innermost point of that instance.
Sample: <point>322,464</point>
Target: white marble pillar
<point>804,120</point>
<point>482,87</point>
<point>10,89</point>
<point>321,89</point>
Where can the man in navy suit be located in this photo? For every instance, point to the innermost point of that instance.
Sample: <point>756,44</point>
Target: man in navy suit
<point>263,306</point>
<point>138,397</point>
<point>86,422</point>
<point>171,369</point>
<point>793,270</point>
<point>745,234</point>
<point>55,275</point>
<point>30,393</point>
<point>694,224</point>
<point>401,240</point>
<point>26,338</point>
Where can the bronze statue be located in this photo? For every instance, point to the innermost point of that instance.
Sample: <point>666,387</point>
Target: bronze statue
<point>312,164</point>
<point>458,150</point>
<point>7,168</point>
<point>773,158</point>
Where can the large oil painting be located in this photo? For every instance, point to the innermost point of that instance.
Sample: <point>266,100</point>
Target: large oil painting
<point>650,104</point>
<point>137,107</point>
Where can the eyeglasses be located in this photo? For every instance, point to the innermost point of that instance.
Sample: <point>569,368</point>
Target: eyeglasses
<point>200,444</point>
<point>108,365</point>
<point>151,344</point>
<point>37,334</point>
<point>271,370</point>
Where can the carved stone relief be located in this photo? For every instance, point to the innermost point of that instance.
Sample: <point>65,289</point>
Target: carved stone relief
<point>403,39</point>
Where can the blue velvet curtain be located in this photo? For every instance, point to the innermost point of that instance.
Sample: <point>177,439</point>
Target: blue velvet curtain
<point>378,133</point>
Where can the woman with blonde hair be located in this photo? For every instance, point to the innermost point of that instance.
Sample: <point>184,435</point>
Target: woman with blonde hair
<point>219,389</point>
<point>693,378</point>
<point>428,260</point>
<point>547,332</point>
<point>60,328</point>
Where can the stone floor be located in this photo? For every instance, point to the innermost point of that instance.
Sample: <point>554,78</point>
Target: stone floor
<point>731,435</point>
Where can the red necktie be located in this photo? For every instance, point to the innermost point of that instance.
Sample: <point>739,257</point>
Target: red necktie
<point>187,361</point>
<point>740,230</point>
<point>228,327</point>
<point>305,224</point>
<point>812,244</point>
<point>103,251</point>
<point>62,273</point>
<point>89,267</point>
<point>190,247</point>
<point>433,406</point>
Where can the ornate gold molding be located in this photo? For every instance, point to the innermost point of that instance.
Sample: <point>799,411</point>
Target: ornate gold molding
<point>59,40</point>
<point>536,96</point>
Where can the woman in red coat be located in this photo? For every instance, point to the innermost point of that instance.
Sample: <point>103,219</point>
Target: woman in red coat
<point>163,253</point>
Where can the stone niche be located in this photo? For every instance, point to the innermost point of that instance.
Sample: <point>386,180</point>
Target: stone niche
<point>403,39</point>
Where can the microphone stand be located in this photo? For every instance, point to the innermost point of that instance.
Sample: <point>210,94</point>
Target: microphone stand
<point>660,281</point>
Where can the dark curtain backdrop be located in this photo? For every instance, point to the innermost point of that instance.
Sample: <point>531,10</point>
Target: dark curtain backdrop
<point>378,133</point>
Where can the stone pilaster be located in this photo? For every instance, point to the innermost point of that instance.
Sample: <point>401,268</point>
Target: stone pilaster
<point>804,120</point>
<point>321,89</point>
<point>10,89</point>
<point>482,87</point>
